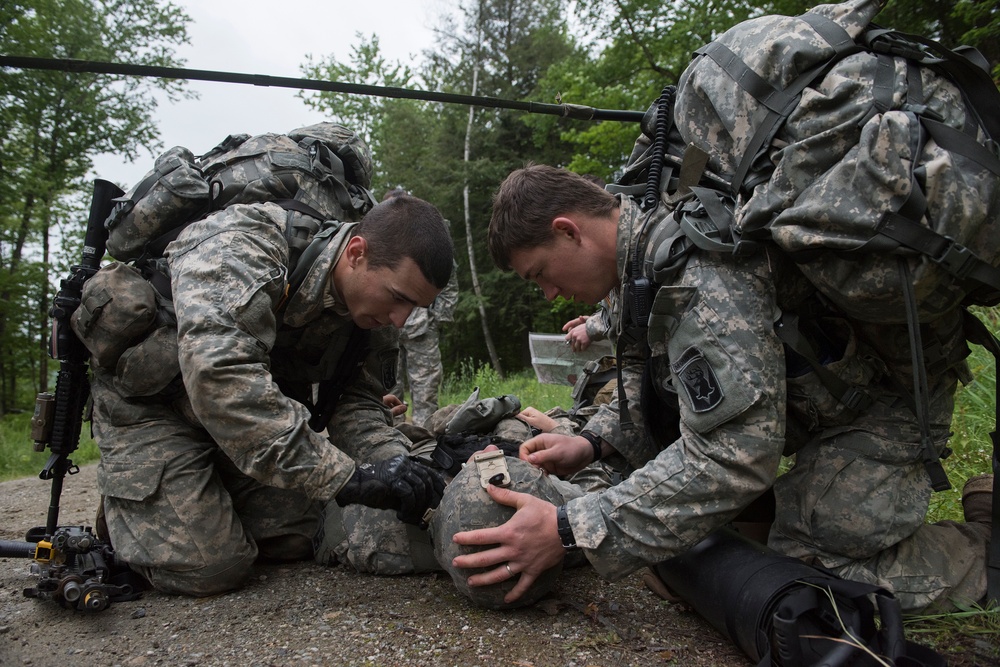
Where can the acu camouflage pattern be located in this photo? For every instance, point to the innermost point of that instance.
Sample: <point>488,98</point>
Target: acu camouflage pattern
<point>839,162</point>
<point>324,166</point>
<point>466,506</point>
<point>170,513</point>
<point>420,353</point>
<point>721,311</point>
<point>376,542</point>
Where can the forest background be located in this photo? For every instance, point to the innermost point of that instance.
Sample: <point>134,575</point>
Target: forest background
<point>607,54</point>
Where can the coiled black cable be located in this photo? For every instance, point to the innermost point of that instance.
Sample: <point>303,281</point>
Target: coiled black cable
<point>664,120</point>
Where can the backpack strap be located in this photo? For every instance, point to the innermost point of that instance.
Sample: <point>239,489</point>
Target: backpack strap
<point>156,248</point>
<point>964,65</point>
<point>348,367</point>
<point>775,104</point>
<point>787,329</point>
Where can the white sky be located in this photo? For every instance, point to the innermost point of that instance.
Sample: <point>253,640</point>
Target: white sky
<point>271,38</point>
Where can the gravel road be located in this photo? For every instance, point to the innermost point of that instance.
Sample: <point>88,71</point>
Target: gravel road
<point>304,614</point>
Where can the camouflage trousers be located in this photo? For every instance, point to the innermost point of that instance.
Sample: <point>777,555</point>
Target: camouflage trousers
<point>178,510</point>
<point>856,501</point>
<point>419,367</point>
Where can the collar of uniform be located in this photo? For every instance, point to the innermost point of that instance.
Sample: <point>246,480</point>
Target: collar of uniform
<point>332,300</point>
<point>630,219</point>
<point>311,297</point>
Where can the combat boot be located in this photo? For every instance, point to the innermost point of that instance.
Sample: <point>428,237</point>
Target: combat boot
<point>101,523</point>
<point>977,499</point>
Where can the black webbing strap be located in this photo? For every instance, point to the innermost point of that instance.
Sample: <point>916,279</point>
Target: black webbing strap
<point>775,104</point>
<point>976,332</point>
<point>851,397</point>
<point>953,257</point>
<point>921,403</point>
<point>962,143</point>
<point>975,81</point>
<point>348,367</point>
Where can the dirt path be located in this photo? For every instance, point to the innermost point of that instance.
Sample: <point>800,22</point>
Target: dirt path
<point>304,614</point>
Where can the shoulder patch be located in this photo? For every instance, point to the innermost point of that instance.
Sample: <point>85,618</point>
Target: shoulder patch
<point>388,368</point>
<point>699,381</point>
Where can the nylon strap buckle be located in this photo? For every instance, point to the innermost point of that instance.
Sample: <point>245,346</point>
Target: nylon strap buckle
<point>956,259</point>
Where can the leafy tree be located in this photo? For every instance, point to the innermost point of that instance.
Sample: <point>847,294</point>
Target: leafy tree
<point>506,47</point>
<point>51,126</point>
<point>374,118</point>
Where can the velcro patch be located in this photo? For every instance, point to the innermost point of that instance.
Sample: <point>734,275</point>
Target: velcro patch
<point>699,381</point>
<point>388,364</point>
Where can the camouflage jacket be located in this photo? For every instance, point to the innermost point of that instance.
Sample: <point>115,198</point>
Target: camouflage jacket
<point>711,338</point>
<point>228,275</point>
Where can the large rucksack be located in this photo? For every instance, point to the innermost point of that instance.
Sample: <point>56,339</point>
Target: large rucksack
<point>323,171</point>
<point>868,157</point>
<point>319,174</point>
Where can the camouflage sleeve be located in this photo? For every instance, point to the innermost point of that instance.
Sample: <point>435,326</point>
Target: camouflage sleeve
<point>227,275</point>
<point>599,324</point>
<point>444,305</point>
<point>361,424</point>
<point>713,336</point>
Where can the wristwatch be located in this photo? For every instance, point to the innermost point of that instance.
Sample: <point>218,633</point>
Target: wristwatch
<point>595,442</point>
<point>564,529</point>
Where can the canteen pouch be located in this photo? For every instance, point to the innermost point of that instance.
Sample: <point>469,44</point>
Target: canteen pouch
<point>148,368</point>
<point>117,308</point>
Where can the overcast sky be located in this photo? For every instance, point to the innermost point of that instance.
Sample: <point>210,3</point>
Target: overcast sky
<point>272,38</point>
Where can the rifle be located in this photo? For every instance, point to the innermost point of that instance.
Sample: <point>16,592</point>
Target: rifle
<point>75,567</point>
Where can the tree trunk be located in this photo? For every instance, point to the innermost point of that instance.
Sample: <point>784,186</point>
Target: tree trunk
<point>468,232</point>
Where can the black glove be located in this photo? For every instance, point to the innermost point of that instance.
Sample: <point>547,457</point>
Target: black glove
<point>399,483</point>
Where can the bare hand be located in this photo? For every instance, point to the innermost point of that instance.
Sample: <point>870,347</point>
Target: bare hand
<point>537,419</point>
<point>578,338</point>
<point>575,322</point>
<point>396,406</point>
<point>560,455</point>
<point>526,545</point>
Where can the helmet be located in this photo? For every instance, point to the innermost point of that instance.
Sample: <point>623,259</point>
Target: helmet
<point>466,506</point>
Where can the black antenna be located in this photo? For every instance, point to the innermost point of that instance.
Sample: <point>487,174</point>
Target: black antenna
<point>575,111</point>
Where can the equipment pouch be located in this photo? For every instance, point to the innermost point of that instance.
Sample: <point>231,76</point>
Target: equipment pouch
<point>149,367</point>
<point>173,193</point>
<point>117,307</point>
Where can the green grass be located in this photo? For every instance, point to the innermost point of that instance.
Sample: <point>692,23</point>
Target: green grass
<point>457,387</point>
<point>18,457</point>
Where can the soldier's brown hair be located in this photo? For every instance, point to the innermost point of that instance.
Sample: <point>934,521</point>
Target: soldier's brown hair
<point>530,198</point>
<point>405,226</point>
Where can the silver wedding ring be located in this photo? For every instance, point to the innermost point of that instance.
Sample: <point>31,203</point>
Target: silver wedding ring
<point>509,571</point>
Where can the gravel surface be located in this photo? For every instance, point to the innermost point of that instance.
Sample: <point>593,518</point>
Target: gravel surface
<point>304,614</point>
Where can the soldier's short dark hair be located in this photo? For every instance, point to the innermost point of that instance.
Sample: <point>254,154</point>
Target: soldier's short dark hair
<point>405,226</point>
<point>530,198</point>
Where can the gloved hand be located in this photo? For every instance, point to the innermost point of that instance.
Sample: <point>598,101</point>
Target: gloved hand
<point>399,483</point>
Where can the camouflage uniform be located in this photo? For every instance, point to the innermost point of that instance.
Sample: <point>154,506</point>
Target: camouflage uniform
<point>200,481</point>
<point>598,325</point>
<point>858,494</point>
<point>419,363</point>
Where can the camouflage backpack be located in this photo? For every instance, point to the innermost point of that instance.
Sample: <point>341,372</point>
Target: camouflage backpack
<point>868,157</point>
<point>322,171</point>
<point>319,174</point>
